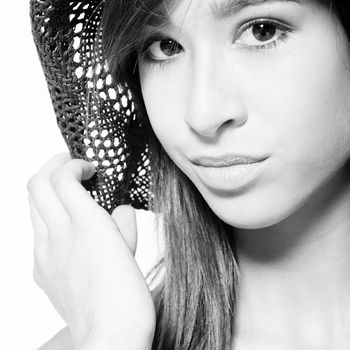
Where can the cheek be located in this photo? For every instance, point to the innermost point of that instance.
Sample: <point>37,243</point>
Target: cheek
<point>305,102</point>
<point>323,122</point>
<point>305,113</point>
<point>307,116</point>
<point>309,119</point>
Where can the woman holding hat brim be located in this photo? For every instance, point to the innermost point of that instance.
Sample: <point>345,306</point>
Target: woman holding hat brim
<point>245,108</point>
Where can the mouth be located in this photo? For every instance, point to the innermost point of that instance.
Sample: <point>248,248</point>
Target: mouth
<point>227,160</point>
<point>231,174</point>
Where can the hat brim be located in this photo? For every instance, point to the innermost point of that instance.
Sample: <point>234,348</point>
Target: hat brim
<point>96,115</point>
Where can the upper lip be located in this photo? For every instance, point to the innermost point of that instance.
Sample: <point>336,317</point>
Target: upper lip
<point>227,160</point>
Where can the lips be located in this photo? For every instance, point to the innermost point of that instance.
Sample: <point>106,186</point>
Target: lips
<point>227,160</point>
<point>230,173</point>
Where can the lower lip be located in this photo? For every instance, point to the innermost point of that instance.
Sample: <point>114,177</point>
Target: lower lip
<point>229,178</point>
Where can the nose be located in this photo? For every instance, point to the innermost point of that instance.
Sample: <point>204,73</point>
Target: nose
<point>214,100</point>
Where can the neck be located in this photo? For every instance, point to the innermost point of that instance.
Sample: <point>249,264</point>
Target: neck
<point>295,274</point>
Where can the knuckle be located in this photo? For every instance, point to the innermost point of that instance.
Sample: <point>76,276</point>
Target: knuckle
<point>36,277</point>
<point>37,260</point>
<point>32,183</point>
<point>39,252</point>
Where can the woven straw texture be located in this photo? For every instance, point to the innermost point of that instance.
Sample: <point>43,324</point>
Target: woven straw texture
<point>96,115</point>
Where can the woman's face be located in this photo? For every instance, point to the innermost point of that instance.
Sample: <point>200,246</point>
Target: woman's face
<point>262,79</point>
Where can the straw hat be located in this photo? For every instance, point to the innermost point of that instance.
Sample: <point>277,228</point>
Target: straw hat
<point>96,115</point>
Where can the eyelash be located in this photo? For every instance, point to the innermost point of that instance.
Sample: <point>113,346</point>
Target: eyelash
<point>284,28</point>
<point>144,54</point>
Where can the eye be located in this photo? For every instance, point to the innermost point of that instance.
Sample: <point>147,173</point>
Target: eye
<point>262,33</point>
<point>161,50</point>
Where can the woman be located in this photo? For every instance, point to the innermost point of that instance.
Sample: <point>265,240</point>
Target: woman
<point>249,103</point>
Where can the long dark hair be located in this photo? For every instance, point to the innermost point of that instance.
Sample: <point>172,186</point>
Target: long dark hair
<point>196,299</point>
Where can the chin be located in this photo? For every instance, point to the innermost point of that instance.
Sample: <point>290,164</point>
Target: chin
<point>252,221</point>
<point>252,215</point>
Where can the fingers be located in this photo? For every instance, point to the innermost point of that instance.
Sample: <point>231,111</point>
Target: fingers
<point>57,192</point>
<point>42,194</point>
<point>125,218</point>
<point>74,198</point>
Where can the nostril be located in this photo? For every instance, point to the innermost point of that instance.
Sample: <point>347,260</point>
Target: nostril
<point>228,122</point>
<point>212,123</point>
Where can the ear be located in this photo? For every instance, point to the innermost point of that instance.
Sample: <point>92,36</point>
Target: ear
<point>125,218</point>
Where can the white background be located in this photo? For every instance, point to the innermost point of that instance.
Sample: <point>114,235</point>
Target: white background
<point>29,137</point>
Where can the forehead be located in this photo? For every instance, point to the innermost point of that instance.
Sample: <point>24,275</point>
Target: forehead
<point>217,8</point>
<point>225,8</point>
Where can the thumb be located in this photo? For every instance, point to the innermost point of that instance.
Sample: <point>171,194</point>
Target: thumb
<point>125,218</point>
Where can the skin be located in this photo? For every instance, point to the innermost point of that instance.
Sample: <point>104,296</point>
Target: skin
<point>290,102</point>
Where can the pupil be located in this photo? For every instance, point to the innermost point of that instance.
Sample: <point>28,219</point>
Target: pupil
<point>264,31</point>
<point>169,47</point>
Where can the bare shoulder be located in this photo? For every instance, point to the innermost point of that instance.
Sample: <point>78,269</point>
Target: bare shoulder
<point>60,341</point>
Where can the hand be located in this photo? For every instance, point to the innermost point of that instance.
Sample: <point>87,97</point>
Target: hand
<point>83,257</point>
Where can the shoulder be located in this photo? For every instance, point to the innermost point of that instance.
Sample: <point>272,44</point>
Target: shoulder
<point>61,340</point>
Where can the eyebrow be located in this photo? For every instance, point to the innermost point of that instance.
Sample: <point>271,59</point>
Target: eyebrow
<point>227,8</point>
<point>221,9</point>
